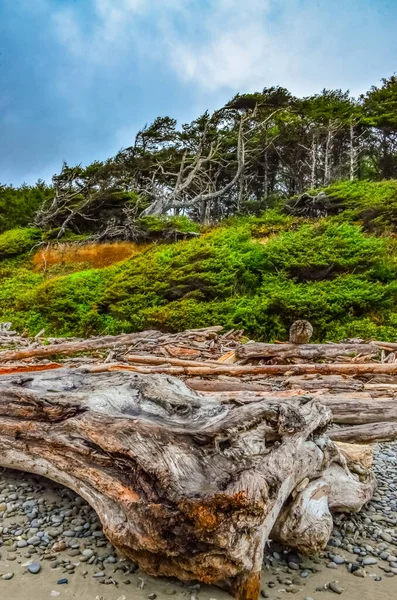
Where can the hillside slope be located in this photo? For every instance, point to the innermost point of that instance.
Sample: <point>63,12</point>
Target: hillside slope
<point>257,273</point>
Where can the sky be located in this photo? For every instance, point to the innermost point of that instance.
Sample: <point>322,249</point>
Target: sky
<point>79,78</point>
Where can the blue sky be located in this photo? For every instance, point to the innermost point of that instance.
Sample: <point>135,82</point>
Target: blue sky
<point>78,78</point>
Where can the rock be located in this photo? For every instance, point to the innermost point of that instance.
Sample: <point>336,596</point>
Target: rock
<point>34,541</point>
<point>390,558</point>
<point>335,587</point>
<point>293,565</point>
<point>151,596</point>
<point>338,560</point>
<point>369,560</point>
<point>59,546</point>
<point>22,543</point>
<point>34,568</point>
<point>99,574</point>
<point>88,552</point>
<point>359,573</point>
<point>62,581</point>
<point>7,576</point>
<point>386,536</point>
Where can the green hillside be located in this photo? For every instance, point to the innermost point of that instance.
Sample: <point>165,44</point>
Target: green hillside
<point>255,272</point>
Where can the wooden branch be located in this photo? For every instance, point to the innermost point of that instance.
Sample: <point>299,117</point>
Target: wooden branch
<point>183,484</point>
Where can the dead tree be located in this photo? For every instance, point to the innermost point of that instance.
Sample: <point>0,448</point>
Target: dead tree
<point>183,484</point>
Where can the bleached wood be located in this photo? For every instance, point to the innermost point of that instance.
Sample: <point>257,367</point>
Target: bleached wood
<point>185,485</point>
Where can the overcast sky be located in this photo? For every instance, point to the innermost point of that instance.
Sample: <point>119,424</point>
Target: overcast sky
<point>78,78</point>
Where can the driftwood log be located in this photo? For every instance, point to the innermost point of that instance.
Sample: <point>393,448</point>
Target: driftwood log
<point>185,485</point>
<point>305,351</point>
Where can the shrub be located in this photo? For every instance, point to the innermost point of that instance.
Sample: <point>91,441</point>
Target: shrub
<point>17,241</point>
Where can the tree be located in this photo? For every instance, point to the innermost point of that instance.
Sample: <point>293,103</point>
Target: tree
<point>380,114</point>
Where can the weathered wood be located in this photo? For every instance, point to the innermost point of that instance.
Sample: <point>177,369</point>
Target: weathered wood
<point>109,341</point>
<point>296,369</point>
<point>253,350</point>
<point>158,360</point>
<point>357,455</point>
<point>183,484</point>
<point>9,369</point>
<point>347,409</point>
<point>365,434</point>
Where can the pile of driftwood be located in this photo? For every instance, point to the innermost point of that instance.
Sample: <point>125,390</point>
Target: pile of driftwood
<point>196,449</point>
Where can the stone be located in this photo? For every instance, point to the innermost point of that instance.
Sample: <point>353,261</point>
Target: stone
<point>34,541</point>
<point>338,560</point>
<point>369,560</point>
<point>386,536</point>
<point>34,568</point>
<point>62,581</point>
<point>7,576</point>
<point>335,587</point>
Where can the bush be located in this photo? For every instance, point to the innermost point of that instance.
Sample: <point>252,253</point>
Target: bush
<point>324,250</point>
<point>17,241</point>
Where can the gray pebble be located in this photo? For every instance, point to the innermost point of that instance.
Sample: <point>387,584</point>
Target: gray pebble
<point>7,576</point>
<point>335,587</point>
<point>338,560</point>
<point>369,560</point>
<point>34,568</point>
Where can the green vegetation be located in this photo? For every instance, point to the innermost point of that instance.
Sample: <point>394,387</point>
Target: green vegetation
<point>18,206</point>
<point>17,241</point>
<point>257,273</point>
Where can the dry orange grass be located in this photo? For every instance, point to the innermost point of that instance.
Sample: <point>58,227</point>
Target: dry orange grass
<point>92,255</point>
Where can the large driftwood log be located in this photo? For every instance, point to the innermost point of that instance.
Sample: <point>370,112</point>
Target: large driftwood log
<point>366,433</point>
<point>241,370</point>
<point>183,484</point>
<point>305,351</point>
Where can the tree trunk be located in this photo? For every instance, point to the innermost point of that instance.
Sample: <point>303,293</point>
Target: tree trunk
<point>183,484</point>
<point>313,178</point>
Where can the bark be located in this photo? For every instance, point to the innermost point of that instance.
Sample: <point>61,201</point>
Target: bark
<point>305,351</point>
<point>183,484</point>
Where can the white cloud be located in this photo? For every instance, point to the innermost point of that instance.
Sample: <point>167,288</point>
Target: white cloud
<point>220,45</point>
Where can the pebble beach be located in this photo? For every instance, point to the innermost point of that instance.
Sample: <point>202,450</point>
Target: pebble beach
<point>52,546</point>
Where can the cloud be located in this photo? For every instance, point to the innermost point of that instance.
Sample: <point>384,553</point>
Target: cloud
<point>221,45</point>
